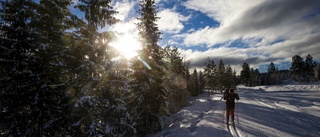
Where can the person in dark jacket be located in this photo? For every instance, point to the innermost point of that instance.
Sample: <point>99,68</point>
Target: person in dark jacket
<point>225,93</point>
<point>230,103</point>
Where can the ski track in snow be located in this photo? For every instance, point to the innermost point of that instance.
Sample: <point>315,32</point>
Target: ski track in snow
<point>280,110</point>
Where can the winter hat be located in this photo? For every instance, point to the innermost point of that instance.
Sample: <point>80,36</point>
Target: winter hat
<point>231,90</point>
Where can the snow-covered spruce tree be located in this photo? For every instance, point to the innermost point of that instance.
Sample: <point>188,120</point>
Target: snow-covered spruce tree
<point>149,102</point>
<point>297,69</point>
<point>98,109</point>
<point>16,46</point>
<point>53,53</point>
<point>32,67</point>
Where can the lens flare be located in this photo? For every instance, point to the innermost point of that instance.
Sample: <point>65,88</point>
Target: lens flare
<point>144,63</point>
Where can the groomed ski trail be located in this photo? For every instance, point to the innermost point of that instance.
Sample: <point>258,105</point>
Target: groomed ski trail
<point>206,120</point>
<point>278,111</point>
<point>233,130</point>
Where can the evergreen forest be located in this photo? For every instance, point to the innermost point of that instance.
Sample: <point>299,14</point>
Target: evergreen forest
<point>59,76</point>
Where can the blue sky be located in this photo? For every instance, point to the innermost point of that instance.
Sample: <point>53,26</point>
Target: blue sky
<point>254,31</point>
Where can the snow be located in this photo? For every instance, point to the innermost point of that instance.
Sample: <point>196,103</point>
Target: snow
<point>84,99</point>
<point>291,109</point>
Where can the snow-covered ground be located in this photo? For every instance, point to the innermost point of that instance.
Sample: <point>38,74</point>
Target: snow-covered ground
<point>291,109</point>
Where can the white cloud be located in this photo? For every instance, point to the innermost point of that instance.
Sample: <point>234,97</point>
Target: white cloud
<point>221,10</point>
<point>157,1</point>
<point>170,21</point>
<point>126,27</point>
<point>258,24</point>
<point>124,8</point>
<point>191,30</point>
<point>234,57</point>
<point>255,56</point>
<point>244,19</point>
<point>206,35</point>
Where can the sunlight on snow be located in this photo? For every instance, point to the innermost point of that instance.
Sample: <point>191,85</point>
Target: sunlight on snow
<point>203,100</point>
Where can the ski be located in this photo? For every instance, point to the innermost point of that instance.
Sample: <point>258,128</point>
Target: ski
<point>228,128</point>
<point>233,124</point>
<point>235,130</point>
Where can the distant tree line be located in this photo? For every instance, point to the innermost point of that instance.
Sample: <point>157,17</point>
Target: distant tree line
<point>218,77</point>
<point>60,77</point>
<point>304,71</point>
<point>301,71</point>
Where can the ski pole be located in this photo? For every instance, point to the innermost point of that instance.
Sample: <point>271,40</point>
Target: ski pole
<point>223,116</point>
<point>238,113</point>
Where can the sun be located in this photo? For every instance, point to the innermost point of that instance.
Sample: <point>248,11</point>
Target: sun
<point>127,44</point>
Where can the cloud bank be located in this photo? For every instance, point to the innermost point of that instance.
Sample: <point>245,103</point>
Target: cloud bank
<point>273,30</point>
<point>170,21</point>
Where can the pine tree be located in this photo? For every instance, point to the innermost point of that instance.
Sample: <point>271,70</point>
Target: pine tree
<point>309,67</point>
<point>149,100</point>
<point>230,81</point>
<point>95,86</point>
<point>175,63</point>
<point>257,77</point>
<point>235,78</point>
<point>176,81</point>
<point>221,75</point>
<point>297,68</point>
<point>270,77</point>
<point>271,68</point>
<point>245,74</point>
<point>317,71</point>
<point>210,73</point>
<point>277,77</point>
<point>194,83</point>
<point>16,46</point>
<point>53,54</point>
<point>38,66</point>
<point>201,82</point>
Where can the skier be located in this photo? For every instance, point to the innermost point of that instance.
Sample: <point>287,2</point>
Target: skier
<point>225,93</point>
<point>230,103</point>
